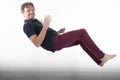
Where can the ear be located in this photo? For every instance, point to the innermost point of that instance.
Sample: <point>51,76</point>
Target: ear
<point>22,11</point>
<point>23,14</point>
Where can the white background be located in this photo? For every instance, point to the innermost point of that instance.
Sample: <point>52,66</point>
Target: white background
<point>101,18</point>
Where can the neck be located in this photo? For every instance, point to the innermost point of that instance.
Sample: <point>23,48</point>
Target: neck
<point>29,18</point>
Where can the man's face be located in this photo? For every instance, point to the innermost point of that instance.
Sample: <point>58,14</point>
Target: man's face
<point>29,12</point>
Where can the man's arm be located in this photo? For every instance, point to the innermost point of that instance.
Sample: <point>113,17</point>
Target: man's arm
<point>37,40</point>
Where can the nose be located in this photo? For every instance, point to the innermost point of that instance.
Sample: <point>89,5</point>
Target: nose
<point>31,11</point>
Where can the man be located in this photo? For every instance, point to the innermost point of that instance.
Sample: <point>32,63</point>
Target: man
<point>42,35</point>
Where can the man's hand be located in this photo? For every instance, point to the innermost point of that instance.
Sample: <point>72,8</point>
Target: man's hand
<point>62,30</point>
<point>46,22</point>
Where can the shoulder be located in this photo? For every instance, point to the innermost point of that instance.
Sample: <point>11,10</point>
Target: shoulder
<point>29,30</point>
<point>28,27</point>
<point>28,24</point>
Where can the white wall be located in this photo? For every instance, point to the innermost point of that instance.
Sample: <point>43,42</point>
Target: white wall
<point>101,18</point>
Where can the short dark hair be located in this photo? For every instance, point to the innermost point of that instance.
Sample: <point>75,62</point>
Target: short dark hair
<point>26,4</point>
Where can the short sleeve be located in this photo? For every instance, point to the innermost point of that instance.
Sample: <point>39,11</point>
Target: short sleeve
<point>29,29</point>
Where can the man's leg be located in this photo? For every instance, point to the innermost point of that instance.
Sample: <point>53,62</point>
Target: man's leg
<point>90,54</point>
<point>71,38</point>
<point>77,37</point>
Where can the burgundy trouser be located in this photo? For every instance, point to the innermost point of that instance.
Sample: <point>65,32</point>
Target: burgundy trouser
<point>82,38</point>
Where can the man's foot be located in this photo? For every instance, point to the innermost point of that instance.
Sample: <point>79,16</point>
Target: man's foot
<point>106,58</point>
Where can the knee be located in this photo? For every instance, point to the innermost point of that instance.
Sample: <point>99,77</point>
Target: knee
<point>83,30</point>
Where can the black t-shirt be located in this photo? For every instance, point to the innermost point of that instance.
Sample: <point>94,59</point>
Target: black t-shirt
<point>34,26</point>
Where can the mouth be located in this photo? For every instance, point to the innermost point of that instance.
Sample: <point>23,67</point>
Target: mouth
<point>31,15</point>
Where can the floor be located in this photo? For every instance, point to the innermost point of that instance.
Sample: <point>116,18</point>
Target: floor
<point>58,75</point>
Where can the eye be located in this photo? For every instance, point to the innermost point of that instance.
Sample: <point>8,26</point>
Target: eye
<point>32,10</point>
<point>28,10</point>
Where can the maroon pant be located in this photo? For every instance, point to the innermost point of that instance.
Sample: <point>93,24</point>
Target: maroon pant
<point>82,38</point>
